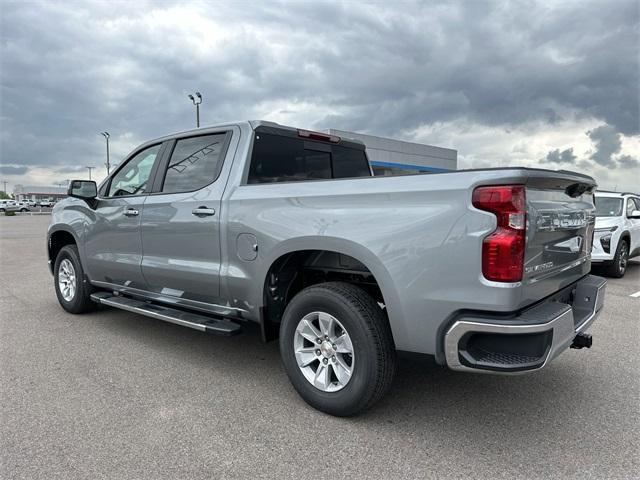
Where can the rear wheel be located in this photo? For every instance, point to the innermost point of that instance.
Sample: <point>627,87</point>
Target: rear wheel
<point>337,348</point>
<point>23,210</point>
<point>72,289</point>
<point>618,267</point>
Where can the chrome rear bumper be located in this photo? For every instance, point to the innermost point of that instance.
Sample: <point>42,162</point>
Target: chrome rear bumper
<point>529,341</point>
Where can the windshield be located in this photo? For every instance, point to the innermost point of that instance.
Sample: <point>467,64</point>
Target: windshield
<point>608,207</point>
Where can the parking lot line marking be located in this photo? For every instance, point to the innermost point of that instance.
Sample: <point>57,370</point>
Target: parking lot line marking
<point>636,295</point>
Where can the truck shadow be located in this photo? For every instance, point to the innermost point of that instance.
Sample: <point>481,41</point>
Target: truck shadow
<point>468,409</point>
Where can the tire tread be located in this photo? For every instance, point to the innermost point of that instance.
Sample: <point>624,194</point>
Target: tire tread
<point>613,270</point>
<point>378,329</point>
<point>83,302</point>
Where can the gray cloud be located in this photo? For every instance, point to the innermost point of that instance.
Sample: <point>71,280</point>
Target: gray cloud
<point>607,143</point>
<point>375,68</point>
<point>565,156</point>
<point>10,170</point>
<point>628,161</point>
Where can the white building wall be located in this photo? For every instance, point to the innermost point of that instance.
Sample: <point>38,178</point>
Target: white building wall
<point>38,192</point>
<point>384,151</point>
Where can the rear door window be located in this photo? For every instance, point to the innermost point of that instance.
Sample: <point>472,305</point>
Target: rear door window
<point>194,163</point>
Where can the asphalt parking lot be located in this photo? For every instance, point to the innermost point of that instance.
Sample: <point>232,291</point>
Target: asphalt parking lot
<point>119,396</point>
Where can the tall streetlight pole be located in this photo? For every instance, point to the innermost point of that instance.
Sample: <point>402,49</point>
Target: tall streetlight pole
<point>196,101</point>
<point>89,168</point>
<point>106,136</point>
<point>5,186</point>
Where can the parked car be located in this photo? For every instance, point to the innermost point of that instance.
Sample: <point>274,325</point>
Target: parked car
<point>617,234</point>
<point>30,203</point>
<point>485,270</point>
<point>23,206</point>
<point>8,206</point>
<point>12,206</point>
<point>47,203</point>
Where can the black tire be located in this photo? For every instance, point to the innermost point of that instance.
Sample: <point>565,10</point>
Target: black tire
<point>374,351</point>
<point>81,301</point>
<point>2,210</point>
<point>23,210</point>
<point>618,267</point>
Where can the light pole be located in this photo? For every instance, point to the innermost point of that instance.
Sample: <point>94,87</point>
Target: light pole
<point>106,136</point>
<point>89,168</point>
<point>5,186</point>
<point>197,103</point>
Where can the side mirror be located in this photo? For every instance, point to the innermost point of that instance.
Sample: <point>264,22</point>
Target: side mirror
<point>635,214</point>
<point>83,189</point>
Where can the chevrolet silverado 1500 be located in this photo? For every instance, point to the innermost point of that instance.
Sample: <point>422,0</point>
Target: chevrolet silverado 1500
<point>485,270</point>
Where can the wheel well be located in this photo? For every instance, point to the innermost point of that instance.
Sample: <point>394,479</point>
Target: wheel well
<point>57,240</point>
<point>297,270</point>
<point>626,236</point>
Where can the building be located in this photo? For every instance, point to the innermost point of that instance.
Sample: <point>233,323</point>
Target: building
<point>39,193</point>
<point>395,157</point>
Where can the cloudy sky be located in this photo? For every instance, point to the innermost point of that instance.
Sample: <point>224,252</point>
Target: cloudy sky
<point>549,84</point>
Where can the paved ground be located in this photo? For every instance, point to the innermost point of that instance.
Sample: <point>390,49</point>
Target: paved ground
<point>114,395</point>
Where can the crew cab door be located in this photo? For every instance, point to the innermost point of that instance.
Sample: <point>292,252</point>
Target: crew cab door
<point>180,227</point>
<point>113,248</point>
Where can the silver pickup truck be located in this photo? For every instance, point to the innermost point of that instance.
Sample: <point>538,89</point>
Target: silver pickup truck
<point>485,270</point>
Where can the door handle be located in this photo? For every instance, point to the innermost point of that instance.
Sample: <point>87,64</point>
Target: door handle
<point>131,212</point>
<point>203,212</point>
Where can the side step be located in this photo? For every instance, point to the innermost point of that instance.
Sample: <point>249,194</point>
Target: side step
<point>167,314</point>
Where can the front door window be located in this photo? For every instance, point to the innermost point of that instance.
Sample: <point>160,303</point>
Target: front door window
<point>133,178</point>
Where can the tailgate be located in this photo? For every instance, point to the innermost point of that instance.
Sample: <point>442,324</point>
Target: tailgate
<point>560,225</point>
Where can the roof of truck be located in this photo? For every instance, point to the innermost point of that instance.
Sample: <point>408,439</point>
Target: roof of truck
<point>254,124</point>
<point>275,128</point>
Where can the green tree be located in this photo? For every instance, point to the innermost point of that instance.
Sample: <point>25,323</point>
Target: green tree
<point>4,196</point>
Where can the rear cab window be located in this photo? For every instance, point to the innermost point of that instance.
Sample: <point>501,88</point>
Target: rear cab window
<point>286,157</point>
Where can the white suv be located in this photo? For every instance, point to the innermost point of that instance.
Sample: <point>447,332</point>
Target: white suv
<point>8,206</point>
<point>617,235</point>
<point>13,206</point>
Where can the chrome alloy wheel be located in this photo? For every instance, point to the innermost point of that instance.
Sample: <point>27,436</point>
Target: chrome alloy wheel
<point>324,351</point>
<point>67,280</point>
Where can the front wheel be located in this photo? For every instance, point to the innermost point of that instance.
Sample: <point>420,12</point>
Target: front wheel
<point>72,289</point>
<point>337,348</point>
<point>618,267</point>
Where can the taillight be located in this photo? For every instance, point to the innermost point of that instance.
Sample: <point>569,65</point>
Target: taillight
<point>503,249</point>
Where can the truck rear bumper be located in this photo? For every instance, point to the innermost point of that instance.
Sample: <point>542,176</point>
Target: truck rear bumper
<point>529,341</point>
